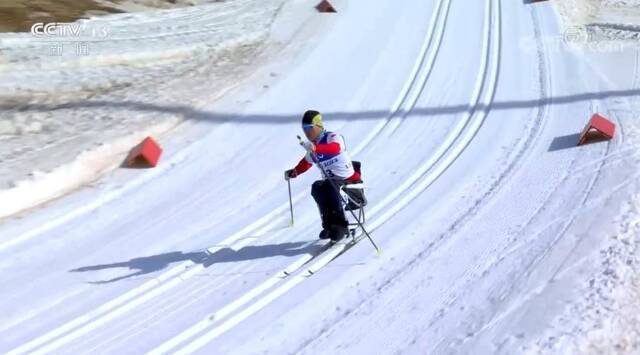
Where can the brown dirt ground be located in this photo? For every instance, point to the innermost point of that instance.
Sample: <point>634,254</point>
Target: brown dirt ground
<point>20,15</point>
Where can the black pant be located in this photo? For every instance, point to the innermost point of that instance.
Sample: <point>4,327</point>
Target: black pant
<point>329,203</point>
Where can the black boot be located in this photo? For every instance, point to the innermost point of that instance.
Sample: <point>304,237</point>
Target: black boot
<point>326,225</point>
<point>339,226</point>
<point>324,234</point>
<point>337,233</point>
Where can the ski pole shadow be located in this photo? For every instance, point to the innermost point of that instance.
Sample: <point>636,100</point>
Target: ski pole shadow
<point>150,264</point>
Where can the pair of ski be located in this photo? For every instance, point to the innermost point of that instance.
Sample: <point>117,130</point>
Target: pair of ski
<point>325,255</point>
<point>330,250</point>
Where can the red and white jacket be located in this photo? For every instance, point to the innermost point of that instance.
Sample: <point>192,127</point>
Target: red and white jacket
<point>331,153</point>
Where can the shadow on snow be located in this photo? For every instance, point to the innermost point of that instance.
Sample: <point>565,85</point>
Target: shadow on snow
<point>150,264</point>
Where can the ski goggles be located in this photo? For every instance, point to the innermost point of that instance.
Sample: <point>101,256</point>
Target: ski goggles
<point>315,121</point>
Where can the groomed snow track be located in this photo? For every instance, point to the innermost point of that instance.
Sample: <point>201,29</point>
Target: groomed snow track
<point>453,119</point>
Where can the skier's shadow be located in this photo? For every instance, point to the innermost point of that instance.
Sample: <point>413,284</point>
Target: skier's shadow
<point>150,264</point>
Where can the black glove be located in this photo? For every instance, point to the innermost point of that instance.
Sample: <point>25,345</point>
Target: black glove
<point>289,174</point>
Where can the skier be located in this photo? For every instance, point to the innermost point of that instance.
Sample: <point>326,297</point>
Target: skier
<point>330,151</point>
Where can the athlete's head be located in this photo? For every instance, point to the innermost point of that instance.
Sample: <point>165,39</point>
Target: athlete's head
<point>312,124</point>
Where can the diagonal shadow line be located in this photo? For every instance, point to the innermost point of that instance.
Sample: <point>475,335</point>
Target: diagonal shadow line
<point>143,265</point>
<point>189,112</point>
<point>150,264</point>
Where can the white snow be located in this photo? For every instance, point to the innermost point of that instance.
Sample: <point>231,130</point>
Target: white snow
<point>610,20</point>
<point>66,120</point>
<point>620,328</point>
<point>499,235</point>
<point>82,170</point>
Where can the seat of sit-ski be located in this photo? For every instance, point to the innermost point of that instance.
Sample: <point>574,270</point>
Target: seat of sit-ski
<point>355,191</point>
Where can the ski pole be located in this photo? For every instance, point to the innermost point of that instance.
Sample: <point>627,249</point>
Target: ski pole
<point>337,191</point>
<point>290,203</point>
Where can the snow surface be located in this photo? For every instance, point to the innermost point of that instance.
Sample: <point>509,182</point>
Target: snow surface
<point>610,20</point>
<point>499,235</point>
<point>68,119</point>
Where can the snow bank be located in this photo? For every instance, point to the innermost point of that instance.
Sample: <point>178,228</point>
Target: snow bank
<point>604,19</point>
<point>604,317</point>
<point>69,117</point>
<point>85,168</point>
<point>620,335</point>
<point>619,331</point>
<point>589,12</point>
<point>576,12</point>
<point>145,5</point>
<point>604,320</point>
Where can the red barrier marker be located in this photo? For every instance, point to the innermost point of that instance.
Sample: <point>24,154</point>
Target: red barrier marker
<point>146,153</point>
<point>325,6</point>
<point>598,128</point>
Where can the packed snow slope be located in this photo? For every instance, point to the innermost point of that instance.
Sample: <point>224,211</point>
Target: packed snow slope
<point>465,123</point>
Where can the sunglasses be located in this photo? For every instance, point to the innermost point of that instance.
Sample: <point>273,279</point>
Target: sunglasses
<point>307,127</point>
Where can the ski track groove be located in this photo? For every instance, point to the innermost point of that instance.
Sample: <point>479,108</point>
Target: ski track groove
<point>427,69</point>
<point>395,122</point>
<point>81,322</point>
<point>469,215</point>
<point>427,172</point>
<point>167,307</point>
<point>150,292</point>
<point>199,326</point>
<point>185,267</point>
<point>157,173</point>
<point>397,109</point>
<point>170,306</point>
<point>498,315</point>
<point>297,279</point>
<point>489,266</point>
<point>583,203</point>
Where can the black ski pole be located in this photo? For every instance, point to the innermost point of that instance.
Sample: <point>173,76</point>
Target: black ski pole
<point>337,190</point>
<point>290,202</point>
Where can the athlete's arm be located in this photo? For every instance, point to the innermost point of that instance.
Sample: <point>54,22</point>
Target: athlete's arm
<point>335,145</point>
